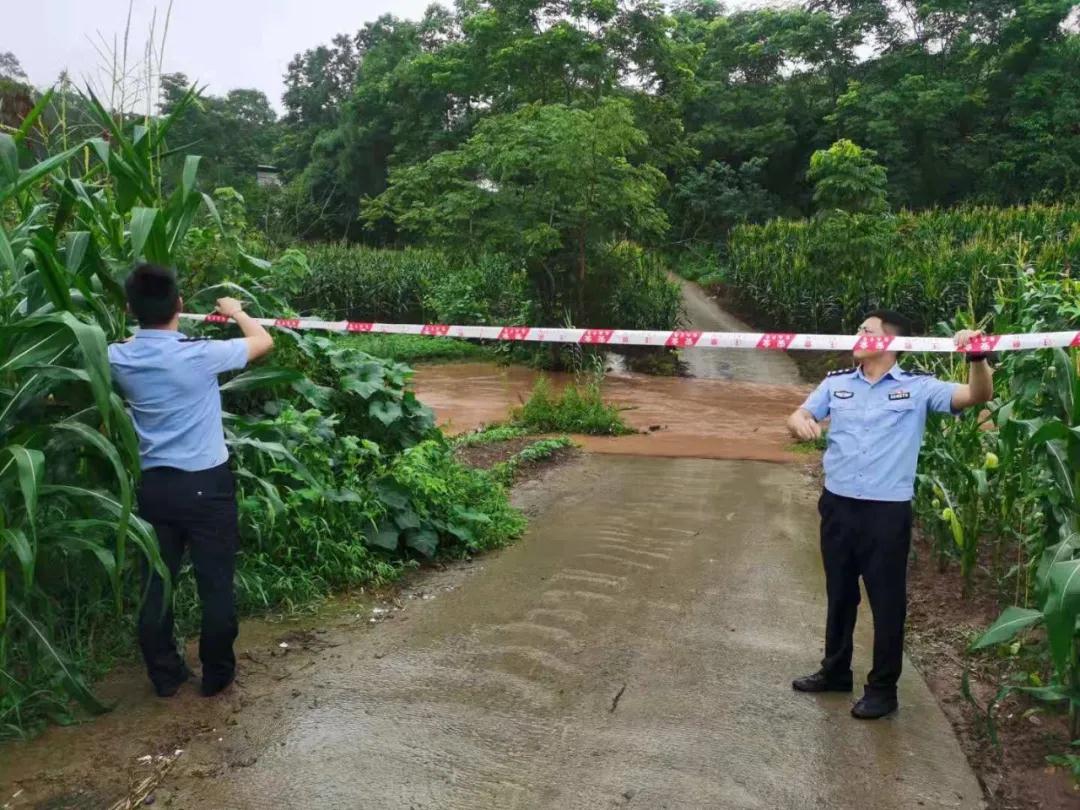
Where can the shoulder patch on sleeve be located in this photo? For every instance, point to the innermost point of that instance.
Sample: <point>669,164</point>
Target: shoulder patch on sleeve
<point>841,371</point>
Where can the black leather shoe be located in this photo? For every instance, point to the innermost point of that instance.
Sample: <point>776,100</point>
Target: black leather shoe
<point>168,687</point>
<point>820,682</point>
<point>211,688</point>
<point>873,707</point>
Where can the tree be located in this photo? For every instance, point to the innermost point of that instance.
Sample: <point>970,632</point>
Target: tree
<point>16,95</point>
<point>706,203</point>
<point>548,183</point>
<point>233,133</point>
<point>11,68</point>
<point>846,178</point>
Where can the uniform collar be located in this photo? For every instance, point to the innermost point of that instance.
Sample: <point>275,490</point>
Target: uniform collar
<point>893,372</point>
<point>159,334</point>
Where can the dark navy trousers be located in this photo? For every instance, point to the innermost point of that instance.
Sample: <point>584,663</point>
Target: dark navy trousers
<point>868,539</point>
<point>194,511</point>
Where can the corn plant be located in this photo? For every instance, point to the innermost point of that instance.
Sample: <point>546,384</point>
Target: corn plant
<point>1056,441</point>
<point>70,226</point>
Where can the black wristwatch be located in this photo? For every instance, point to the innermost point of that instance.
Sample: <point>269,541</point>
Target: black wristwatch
<point>975,357</point>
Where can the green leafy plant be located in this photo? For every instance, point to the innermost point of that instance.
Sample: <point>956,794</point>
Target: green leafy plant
<point>579,408</point>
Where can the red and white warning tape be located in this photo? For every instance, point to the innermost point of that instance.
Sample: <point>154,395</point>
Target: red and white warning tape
<point>678,339</point>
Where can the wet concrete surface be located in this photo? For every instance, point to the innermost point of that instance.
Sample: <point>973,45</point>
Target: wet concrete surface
<point>744,365</point>
<point>635,650</point>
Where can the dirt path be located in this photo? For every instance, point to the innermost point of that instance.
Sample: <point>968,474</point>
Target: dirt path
<point>635,649</point>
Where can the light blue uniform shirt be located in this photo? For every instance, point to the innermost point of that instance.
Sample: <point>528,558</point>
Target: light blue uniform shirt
<point>171,385</point>
<point>876,430</point>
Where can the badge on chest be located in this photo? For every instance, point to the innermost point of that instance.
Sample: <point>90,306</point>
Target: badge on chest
<point>895,395</point>
<point>843,394</point>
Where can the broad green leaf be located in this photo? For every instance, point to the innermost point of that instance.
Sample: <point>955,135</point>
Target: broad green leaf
<point>385,412</point>
<point>1051,693</point>
<point>53,279</point>
<point>95,356</point>
<point>24,553</point>
<point>108,451</point>
<point>407,520</point>
<point>262,377</point>
<point>1049,431</point>
<point>363,388</point>
<point>392,494</point>
<point>423,540</point>
<point>36,172</point>
<point>1060,610</point>
<point>29,347</point>
<point>34,114</point>
<point>7,255</point>
<point>75,251</point>
<point>190,174</point>
<point>30,471</point>
<point>148,235</point>
<point>386,538</point>
<point>1008,624</point>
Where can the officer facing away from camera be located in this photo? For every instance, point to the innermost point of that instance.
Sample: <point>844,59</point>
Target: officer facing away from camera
<point>187,492</point>
<point>877,414</point>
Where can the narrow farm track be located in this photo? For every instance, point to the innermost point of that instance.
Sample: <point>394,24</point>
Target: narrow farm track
<point>635,649</point>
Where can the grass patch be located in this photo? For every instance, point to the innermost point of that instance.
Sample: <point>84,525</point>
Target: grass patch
<point>578,409</point>
<point>810,448</point>
<point>419,348</point>
<point>505,471</point>
<point>490,435</point>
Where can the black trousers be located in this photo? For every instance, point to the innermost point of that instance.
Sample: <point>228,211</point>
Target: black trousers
<point>194,510</point>
<point>870,539</point>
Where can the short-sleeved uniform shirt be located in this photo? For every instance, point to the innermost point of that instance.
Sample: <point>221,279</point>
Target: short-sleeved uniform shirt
<point>171,385</point>
<point>876,430</point>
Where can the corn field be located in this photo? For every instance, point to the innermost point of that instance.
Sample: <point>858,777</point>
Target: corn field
<point>821,275</point>
<point>999,492</point>
<point>342,476</point>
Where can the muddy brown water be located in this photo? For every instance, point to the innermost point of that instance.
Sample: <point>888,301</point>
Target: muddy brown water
<point>635,649</point>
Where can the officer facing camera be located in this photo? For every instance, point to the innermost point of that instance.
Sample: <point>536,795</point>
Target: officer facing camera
<point>877,413</point>
<point>187,491</point>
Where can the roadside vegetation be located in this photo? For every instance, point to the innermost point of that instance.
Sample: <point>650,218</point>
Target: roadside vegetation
<point>530,162</point>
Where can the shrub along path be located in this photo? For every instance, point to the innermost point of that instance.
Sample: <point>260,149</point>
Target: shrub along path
<point>635,649</point>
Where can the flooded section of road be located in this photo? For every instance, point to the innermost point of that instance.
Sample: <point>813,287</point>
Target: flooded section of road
<point>635,650</point>
<point>677,416</point>
<point>746,365</point>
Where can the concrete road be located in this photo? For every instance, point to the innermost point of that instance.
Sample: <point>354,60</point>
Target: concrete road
<point>634,650</point>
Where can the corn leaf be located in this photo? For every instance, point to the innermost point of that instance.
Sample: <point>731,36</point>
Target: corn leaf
<point>1008,624</point>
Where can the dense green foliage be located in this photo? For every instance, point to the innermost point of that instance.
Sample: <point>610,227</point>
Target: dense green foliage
<point>822,274</point>
<point>997,491</point>
<point>342,476</point>
<point>973,102</point>
<point>545,130</point>
<point>578,408</point>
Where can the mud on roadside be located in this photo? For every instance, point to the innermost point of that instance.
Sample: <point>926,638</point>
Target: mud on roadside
<point>118,761</point>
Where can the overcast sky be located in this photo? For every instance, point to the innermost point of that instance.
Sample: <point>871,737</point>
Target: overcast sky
<point>223,43</point>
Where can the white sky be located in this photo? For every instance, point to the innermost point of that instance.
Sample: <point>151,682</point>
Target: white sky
<point>224,44</point>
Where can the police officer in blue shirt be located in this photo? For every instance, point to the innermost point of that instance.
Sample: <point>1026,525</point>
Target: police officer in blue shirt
<point>877,413</point>
<point>187,491</point>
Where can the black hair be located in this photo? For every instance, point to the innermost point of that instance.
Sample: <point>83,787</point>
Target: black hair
<point>152,295</point>
<point>900,324</point>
